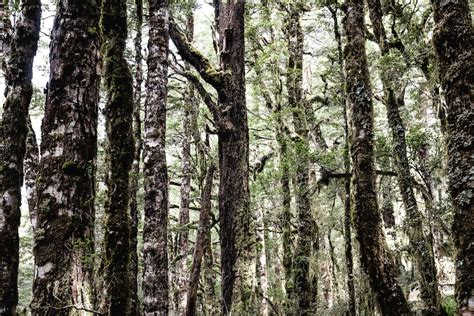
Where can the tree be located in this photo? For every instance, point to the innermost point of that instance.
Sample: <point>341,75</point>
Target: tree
<point>376,258</point>
<point>120,154</point>
<point>453,39</point>
<point>155,232</point>
<point>64,236</point>
<point>236,222</point>
<point>21,49</point>
<point>420,244</point>
<point>134,183</point>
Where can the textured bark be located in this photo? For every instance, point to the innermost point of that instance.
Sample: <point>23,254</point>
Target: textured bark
<point>236,222</point>
<point>453,39</point>
<point>376,259</point>
<point>155,279</point>
<point>201,241</point>
<point>185,190</point>
<point>13,132</point>
<point>347,169</point>
<point>134,185</point>
<point>31,164</point>
<point>5,33</point>
<point>120,152</point>
<point>420,244</point>
<point>262,270</point>
<point>64,239</point>
<point>303,292</point>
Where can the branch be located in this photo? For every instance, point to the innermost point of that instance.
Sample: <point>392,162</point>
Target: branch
<point>206,96</point>
<point>203,66</point>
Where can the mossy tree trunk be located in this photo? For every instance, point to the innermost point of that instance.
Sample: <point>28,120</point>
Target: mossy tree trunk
<point>303,292</point>
<point>155,233</point>
<point>453,39</point>
<point>64,239</point>
<point>230,114</point>
<point>120,153</point>
<point>19,49</point>
<point>31,163</point>
<point>201,241</point>
<point>135,175</point>
<point>376,258</point>
<point>421,248</point>
<point>185,189</point>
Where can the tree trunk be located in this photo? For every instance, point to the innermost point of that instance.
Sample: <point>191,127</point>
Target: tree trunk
<point>302,285</point>
<point>453,39</point>
<point>134,185</point>
<point>155,278</point>
<point>237,233</point>
<point>118,121</point>
<point>200,245</point>
<point>64,239</point>
<point>31,163</point>
<point>5,33</point>
<point>18,64</point>
<point>376,259</point>
<point>185,190</point>
<point>422,250</point>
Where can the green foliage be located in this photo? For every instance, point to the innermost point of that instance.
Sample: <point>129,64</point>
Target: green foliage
<point>449,305</point>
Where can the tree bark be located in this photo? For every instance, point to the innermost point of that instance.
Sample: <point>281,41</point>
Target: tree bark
<point>236,222</point>
<point>200,245</point>
<point>18,64</point>
<point>453,39</point>
<point>31,163</point>
<point>120,152</point>
<point>303,291</point>
<point>185,190</point>
<point>376,259</point>
<point>134,184</point>
<point>422,249</point>
<point>155,233</point>
<point>64,239</point>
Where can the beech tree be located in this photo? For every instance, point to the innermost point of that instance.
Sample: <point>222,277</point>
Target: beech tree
<point>64,236</point>
<point>19,50</point>
<point>453,39</point>
<point>376,258</point>
<point>155,232</point>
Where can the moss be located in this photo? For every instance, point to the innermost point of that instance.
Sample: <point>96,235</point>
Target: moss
<point>71,168</point>
<point>92,30</point>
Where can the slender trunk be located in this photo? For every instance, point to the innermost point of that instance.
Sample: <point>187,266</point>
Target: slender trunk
<point>200,245</point>
<point>18,64</point>
<point>212,304</point>
<point>31,163</point>
<point>5,33</point>
<point>64,239</point>
<point>118,121</point>
<point>183,236</point>
<point>155,232</point>
<point>453,39</point>
<point>376,258</point>
<point>303,292</point>
<point>237,233</point>
<point>262,262</point>
<point>422,249</point>
<point>135,175</point>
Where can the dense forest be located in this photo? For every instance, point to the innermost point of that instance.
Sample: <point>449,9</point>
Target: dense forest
<point>264,157</point>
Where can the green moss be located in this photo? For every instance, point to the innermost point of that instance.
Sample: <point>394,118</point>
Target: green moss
<point>92,30</point>
<point>71,168</point>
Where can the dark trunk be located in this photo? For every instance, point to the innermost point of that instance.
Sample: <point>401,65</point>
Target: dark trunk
<point>155,232</point>
<point>19,50</point>
<point>236,222</point>
<point>376,258</point>
<point>120,152</point>
<point>31,163</point>
<point>453,39</point>
<point>421,248</point>
<point>64,239</point>
<point>302,284</point>
<point>201,241</point>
